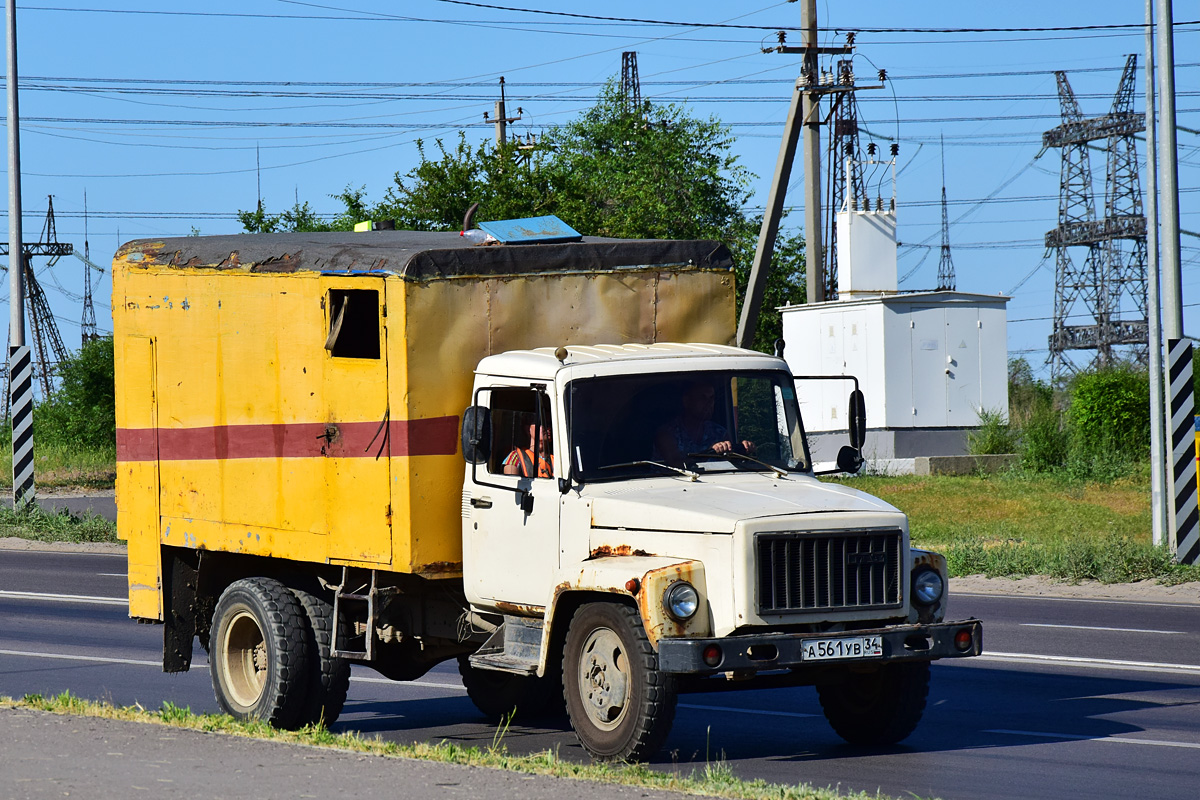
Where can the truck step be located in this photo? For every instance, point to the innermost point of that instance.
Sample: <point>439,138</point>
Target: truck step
<point>359,610</point>
<point>515,647</point>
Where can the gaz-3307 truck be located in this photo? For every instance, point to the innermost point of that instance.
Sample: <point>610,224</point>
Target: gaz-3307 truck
<point>543,460</point>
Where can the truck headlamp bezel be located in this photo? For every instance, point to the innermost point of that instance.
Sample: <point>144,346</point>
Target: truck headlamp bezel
<point>928,587</point>
<point>681,600</point>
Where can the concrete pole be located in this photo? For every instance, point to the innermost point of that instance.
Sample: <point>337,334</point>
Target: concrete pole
<point>1160,493</point>
<point>1172,295</point>
<point>501,116</point>
<point>814,263</point>
<point>16,275</point>
<point>761,268</point>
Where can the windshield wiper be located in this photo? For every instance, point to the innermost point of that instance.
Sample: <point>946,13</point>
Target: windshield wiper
<point>687,473</point>
<point>734,454</point>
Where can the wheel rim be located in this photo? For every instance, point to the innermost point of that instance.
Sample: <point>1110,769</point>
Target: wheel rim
<point>604,679</point>
<point>244,659</point>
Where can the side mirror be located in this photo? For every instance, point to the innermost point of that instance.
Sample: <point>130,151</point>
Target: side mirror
<point>477,434</point>
<point>849,459</point>
<point>857,415</point>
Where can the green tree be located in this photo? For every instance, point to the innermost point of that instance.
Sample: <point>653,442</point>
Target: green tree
<point>81,411</point>
<point>659,173</point>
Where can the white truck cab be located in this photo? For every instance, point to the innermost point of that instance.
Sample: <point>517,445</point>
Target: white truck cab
<point>673,534</point>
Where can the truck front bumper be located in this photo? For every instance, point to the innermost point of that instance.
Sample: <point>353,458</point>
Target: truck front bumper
<point>771,651</point>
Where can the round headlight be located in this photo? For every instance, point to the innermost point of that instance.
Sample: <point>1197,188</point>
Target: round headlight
<point>681,600</point>
<point>927,587</point>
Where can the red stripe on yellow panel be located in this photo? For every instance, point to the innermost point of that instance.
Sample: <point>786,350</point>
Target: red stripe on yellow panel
<point>412,437</point>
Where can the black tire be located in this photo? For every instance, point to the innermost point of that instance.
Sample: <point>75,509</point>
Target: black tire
<point>328,677</point>
<point>258,660</point>
<point>877,708</point>
<point>499,694</point>
<point>607,646</point>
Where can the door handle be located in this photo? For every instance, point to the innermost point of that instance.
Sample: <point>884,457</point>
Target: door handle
<point>481,502</point>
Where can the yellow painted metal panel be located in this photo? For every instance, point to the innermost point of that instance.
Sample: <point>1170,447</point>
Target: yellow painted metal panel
<point>357,492</point>
<point>137,481</point>
<point>248,539</point>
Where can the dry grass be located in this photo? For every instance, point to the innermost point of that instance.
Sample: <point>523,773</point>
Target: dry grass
<point>712,780</point>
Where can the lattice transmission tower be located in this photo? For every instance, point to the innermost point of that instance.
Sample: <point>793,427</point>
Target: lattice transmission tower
<point>631,85</point>
<point>846,188</point>
<point>87,324</point>
<point>946,282</point>
<point>1109,288</point>
<point>48,347</point>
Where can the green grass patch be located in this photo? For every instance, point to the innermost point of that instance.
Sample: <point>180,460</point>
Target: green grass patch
<point>1020,523</point>
<point>59,465</point>
<point>714,779</point>
<point>56,526</point>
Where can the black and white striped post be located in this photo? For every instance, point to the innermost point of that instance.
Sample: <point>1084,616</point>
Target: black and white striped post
<point>20,381</point>
<point>1185,518</point>
<point>20,365</point>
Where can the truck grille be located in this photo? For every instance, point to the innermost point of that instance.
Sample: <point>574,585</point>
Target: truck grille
<point>843,570</point>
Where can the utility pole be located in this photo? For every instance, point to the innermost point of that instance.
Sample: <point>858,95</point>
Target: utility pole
<point>1184,529</point>
<point>804,112</point>
<point>20,375</point>
<point>814,257</point>
<point>1159,487</point>
<point>502,119</point>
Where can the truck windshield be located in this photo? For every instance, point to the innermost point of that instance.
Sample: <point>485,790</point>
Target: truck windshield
<point>696,422</point>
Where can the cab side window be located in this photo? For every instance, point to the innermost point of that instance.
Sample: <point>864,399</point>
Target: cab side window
<point>521,441</point>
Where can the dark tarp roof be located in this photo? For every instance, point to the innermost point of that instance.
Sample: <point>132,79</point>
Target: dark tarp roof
<point>415,255</point>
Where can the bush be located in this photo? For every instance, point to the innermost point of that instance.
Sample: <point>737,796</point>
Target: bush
<point>1110,414</point>
<point>994,435</point>
<point>81,412</point>
<point>1044,440</point>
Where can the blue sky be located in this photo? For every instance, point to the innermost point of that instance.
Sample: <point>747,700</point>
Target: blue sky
<point>159,111</point>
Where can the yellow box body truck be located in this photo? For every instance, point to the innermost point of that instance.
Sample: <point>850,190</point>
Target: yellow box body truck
<point>395,448</point>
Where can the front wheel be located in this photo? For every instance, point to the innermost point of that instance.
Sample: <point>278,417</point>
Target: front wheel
<point>620,705</point>
<point>258,655</point>
<point>877,708</point>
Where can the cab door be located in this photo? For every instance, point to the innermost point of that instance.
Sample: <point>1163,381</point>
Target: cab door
<point>354,441</point>
<point>511,520</point>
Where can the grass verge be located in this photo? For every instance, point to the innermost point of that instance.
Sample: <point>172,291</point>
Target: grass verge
<point>1018,524</point>
<point>713,779</point>
<point>56,526</point>
<point>57,466</point>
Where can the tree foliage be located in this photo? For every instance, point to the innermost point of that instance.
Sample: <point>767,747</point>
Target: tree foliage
<point>82,410</point>
<point>659,173</point>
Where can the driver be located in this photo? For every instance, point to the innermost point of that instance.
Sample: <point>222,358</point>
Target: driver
<point>692,430</point>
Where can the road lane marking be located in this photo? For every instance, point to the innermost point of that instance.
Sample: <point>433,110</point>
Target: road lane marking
<point>98,659</point>
<point>112,574</point>
<point>65,598</point>
<point>1091,663</point>
<point>1107,601</point>
<point>1085,738</point>
<point>1099,628</point>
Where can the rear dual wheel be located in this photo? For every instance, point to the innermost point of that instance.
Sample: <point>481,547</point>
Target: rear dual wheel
<point>270,655</point>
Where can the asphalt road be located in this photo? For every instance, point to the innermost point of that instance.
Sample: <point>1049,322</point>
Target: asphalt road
<point>1072,699</point>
